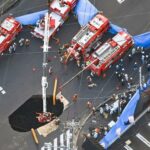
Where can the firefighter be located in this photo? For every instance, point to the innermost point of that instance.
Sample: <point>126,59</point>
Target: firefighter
<point>57,40</point>
<point>122,82</point>
<point>131,80</point>
<point>94,110</point>
<point>117,67</point>
<point>10,49</point>
<point>14,47</point>
<point>135,66</point>
<point>130,57</point>
<point>78,63</point>
<point>133,51</point>
<point>148,67</point>
<point>63,47</point>
<point>75,98</point>
<point>89,79</point>
<point>27,42</point>
<point>146,58</point>
<point>21,42</point>
<point>50,71</point>
<point>89,105</point>
<point>126,77</point>
<point>143,59</point>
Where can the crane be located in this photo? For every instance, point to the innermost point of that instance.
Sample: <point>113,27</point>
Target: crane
<point>45,116</point>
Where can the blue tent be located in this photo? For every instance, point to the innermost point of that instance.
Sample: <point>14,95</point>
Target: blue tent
<point>31,19</point>
<point>114,29</point>
<point>142,40</point>
<point>85,11</point>
<point>123,121</point>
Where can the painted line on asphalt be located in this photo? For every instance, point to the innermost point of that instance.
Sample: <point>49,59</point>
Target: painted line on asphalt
<point>2,90</point>
<point>120,1</point>
<point>127,147</point>
<point>149,124</point>
<point>143,139</point>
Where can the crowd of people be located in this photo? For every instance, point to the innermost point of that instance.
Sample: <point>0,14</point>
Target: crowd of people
<point>22,42</point>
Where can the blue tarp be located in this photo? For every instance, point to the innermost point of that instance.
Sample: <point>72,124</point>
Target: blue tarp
<point>85,11</point>
<point>114,29</point>
<point>31,19</point>
<point>122,122</point>
<point>142,40</point>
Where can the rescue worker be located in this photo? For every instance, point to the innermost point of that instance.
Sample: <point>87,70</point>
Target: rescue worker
<point>143,59</point>
<point>14,47</point>
<point>50,71</point>
<point>130,57</point>
<point>146,58</point>
<point>126,77</point>
<point>122,82</point>
<point>129,85</point>
<point>78,63</point>
<point>135,67</point>
<point>117,67</point>
<point>92,85</point>
<point>148,67</point>
<point>57,40</point>
<point>75,98</point>
<point>131,80</point>
<point>90,81</point>
<point>27,42</point>
<point>89,105</point>
<point>10,49</point>
<point>133,51</point>
<point>94,110</point>
<point>21,42</point>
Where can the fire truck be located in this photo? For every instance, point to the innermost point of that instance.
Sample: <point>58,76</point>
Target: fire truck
<point>109,52</point>
<point>9,28</point>
<point>60,10</point>
<point>88,35</point>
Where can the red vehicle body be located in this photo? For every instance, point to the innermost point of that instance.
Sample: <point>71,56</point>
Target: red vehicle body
<point>60,10</point>
<point>87,35</point>
<point>9,28</point>
<point>109,53</point>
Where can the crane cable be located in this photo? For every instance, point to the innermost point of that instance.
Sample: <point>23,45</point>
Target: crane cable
<point>77,74</point>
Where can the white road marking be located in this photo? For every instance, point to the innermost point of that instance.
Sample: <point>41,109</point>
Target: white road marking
<point>2,90</point>
<point>68,137</point>
<point>62,141</point>
<point>149,124</point>
<point>143,139</point>
<point>55,144</point>
<point>120,1</point>
<point>127,147</point>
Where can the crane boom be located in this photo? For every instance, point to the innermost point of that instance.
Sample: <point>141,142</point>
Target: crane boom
<point>44,82</point>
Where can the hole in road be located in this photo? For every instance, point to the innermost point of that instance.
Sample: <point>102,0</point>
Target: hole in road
<point>24,118</point>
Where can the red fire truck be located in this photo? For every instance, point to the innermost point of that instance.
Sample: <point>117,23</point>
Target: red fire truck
<point>60,10</point>
<point>87,36</point>
<point>9,28</point>
<point>109,52</point>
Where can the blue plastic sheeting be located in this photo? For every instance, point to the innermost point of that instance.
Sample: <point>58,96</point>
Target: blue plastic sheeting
<point>85,11</point>
<point>114,29</point>
<point>31,19</point>
<point>142,40</point>
<point>122,122</point>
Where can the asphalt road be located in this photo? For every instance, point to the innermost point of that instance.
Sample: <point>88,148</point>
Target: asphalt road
<point>20,82</point>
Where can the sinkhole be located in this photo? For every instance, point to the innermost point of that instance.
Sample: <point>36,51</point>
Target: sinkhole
<point>24,118</point>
